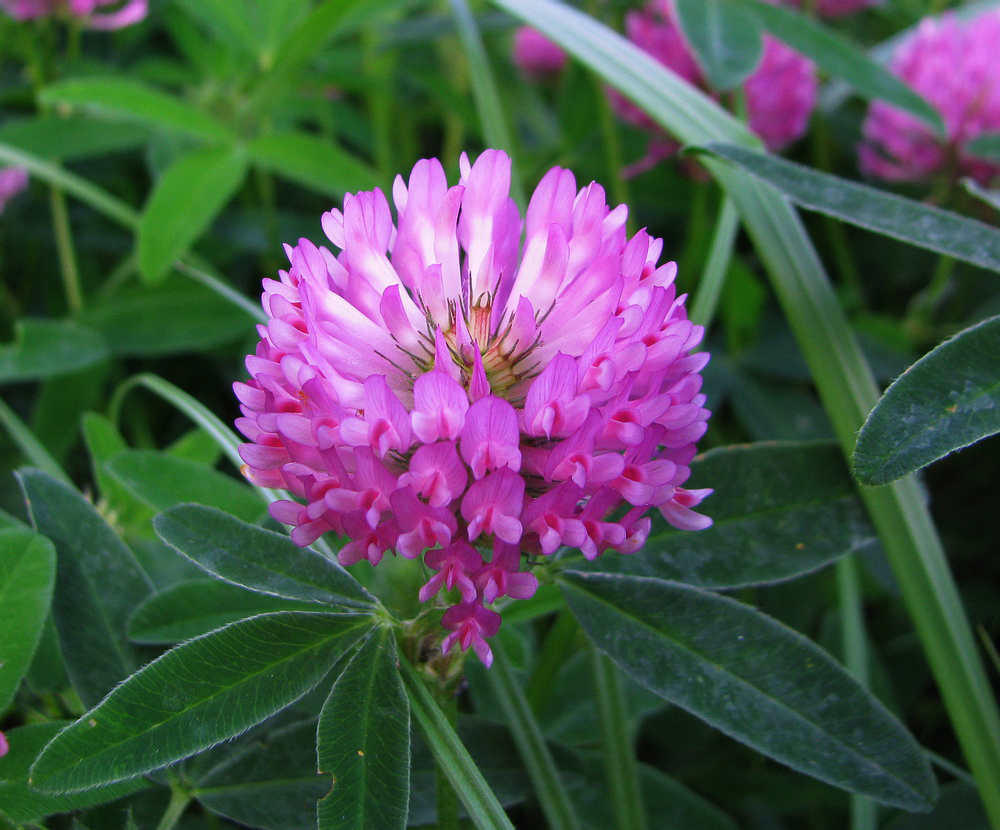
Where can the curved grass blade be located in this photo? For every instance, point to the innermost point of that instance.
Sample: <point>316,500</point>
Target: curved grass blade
<point>363,741</point>
<point>724,37</point>
<point>195,696</point>
<point>754,679</point>
<point>947,400</point>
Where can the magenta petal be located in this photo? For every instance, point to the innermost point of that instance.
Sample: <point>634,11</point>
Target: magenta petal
<point>439,407</point>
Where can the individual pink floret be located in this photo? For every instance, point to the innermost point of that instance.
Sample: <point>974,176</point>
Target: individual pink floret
<point>535,55</point>
<point>780,93</point>
<point>13,180</point>
<point>443,390</point>
<point>953,64</point>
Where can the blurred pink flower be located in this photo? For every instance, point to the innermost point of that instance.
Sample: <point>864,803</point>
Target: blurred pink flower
<point>780,93</point>
<point>4,746</point>
<point>834,8</point>
<point>127,13</point>
<point>12,181</point>
<point>535,55</point>
<point>437,389</point>
<point>953,64</point>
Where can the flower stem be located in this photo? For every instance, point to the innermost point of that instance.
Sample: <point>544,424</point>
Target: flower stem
<point>558,645</point>
<point>64,247</point>
<point>531,744</point>
<point>619,760</point>
<point>179,800</point>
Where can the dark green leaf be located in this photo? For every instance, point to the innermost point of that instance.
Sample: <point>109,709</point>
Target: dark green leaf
<point>948,399</point>
<point>195,607</point>
<point>174,318</point>
<point>129,99</point>
<point>197,695</point>
<point>185,201</point>
<point>885,213</point>
<point>364,742</point>
<point>73,137</point>
<point>839,57</point>
<point>258,559</point>
<point>960,806</point>
<point>313,162</point>
<point>272,784</point>
<point>26,805</point>
<point>48,348</point>
<point>754,679</point>
<point>986,145</point>
<point>724,37</point>
<point>163,481</point>
<point>104,441</point>
<point>27,576</point>
<point>780,509</point>
<point>98,583</point>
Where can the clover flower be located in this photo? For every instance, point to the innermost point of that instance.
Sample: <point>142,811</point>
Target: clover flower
<point>953,64</point>
<point>127,13</point>
<point>780,93</point>
<point>441,389</point>
<point>12,181</point>
<point>535,55</point>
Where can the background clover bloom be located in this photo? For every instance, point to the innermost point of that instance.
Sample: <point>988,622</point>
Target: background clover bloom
<point>125,14</point>
<point>780,92</point>
<point>441,389</point>
<point>953,64</point>
<point>13,180</point>
<point>535,55</point>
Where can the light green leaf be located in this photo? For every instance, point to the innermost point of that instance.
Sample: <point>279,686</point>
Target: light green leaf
<point>71,137</point>
<point>27,576</point>
<point>185,201</point>
<point>312,162</point>
<point>128,99</point>
<point>163,481</point>
<point>258,559</point>
<point>948,399</point>
<point>98,583</point>
<point>986,145</point>
<point>195,607</point>
<point>725,40</point>
<point>876,210</point>
<point>754,679</point>
<point>195,696</point>
<point>780,509</point>
<point>363,742</point>
<point>49,348</point>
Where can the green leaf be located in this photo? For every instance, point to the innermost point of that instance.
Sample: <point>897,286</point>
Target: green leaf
<point>258,559</point>
<point>163,481</point>
<point>841,58</point>
<point>27,576</point>
<point>948,399</point>
<point>49,348</point>
<point>230,22</point>
<point>185,201</point>
<point>125,98</point>
<point>363,742</point>
<point>195,607</point>
<point>173,318</point>
<point>725,40</point>
<point>72,137</point>
<point>754,679</point>
<point>780,509</point>
<point>272,784</point>
<point>98,583</point>
<point>197,695</point>
<point>104,441</point>
<point>875,210</point>
<point>986,145</point>
<point>313,162</point>
<point>24,804</point>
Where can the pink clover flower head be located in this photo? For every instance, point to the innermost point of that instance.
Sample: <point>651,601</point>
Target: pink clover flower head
<point>535,55</point>
<point>435,388</point>
<point>953,64</point>
<point>780,93</point>
<point>13,180</point>
<point>124,14</point>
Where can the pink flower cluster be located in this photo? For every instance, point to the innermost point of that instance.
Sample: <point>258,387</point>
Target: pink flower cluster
<point>780,93</point>
<point>128,12</point>
<point>535,55</point>
<point>12,181</point>
<point>440,388</point>
<point>953,64</point>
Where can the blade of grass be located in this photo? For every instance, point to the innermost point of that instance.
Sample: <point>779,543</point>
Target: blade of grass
<point>841,374</point>
<point>619,760</point>
<point>29,445</point>
<point>548,785</point>
<point>479,800</point>
<point>720,253</point>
